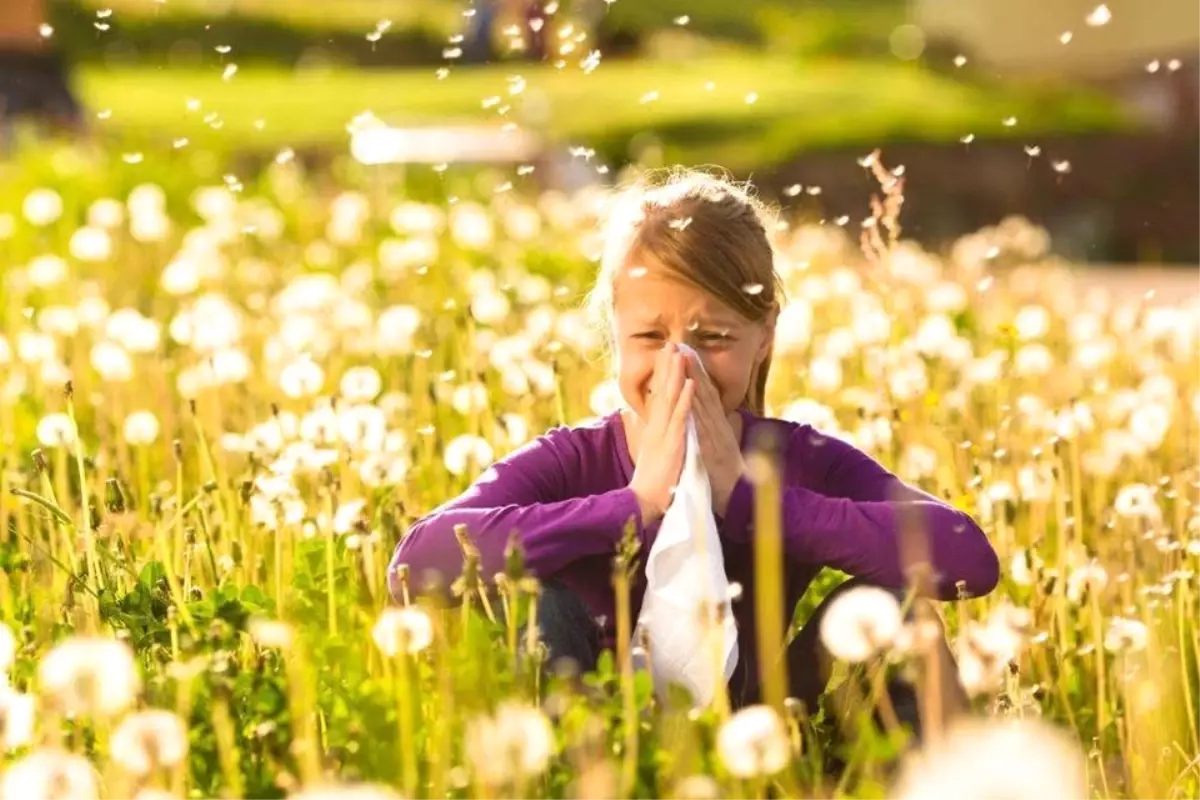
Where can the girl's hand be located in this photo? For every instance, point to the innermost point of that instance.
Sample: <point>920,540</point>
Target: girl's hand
<point>663,441</point>
<point>719,445</point>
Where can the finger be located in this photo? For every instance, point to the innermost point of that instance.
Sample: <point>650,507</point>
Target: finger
<point>675,381</point>
<point>683,407</point>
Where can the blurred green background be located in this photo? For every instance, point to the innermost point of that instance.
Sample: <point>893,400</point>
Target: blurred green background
<point>823,72</point>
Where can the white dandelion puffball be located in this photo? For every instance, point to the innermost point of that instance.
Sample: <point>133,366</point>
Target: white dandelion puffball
<point>141,428</point>
<point>361,384</point>
<point>147,740</point>
<point>50,773</point>
<point>464,450</point>
<point>90,244</point>
<point>270,632</point>
<point>516,741</point>
<point>754,742</point>
<point>56,430</point>
<point>19,713</point>
<point>860,623</point>
<point>407,629</point>
<point>86,674</point>
<point>46,271</point>
<point>1125,634</point>
<point>1008,760</point>
<point>42,206</point>
<point>301,378</point>
<point>1137,501</point>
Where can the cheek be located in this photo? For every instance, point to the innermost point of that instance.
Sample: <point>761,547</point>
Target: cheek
<point>634,370</point>
<point>729,371</point>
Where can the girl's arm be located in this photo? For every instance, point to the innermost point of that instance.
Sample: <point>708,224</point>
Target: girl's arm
<point>851,523</point>
<point>522,493</point>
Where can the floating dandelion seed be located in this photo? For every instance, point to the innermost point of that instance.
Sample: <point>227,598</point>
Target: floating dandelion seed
<point>223,49</point>
<point>751,98</point>
<point>970,137</point>
<point>132,158</point>
<point>525,169</point>
<point>1009,122</point>
<point>180,143</point>
<point>1033,151</point>
<point>1065,37</point>
<point>960,61</point>
<point>45,31</point>
<point>259,124</point>
<point>793,190</point>
<point>710,85</point>
<point>1061,167</point>
<point>104,113</point>
<point>103,13</point>
<point>192,104</point>
<point>452,52</point>
<point>491,102</point>
<point>516,84</point>
<point>101,26</point>
<point>230,71</point>
<point>285,155</point>
<point>1153,66</point>
<point>1174,65</point>
<point>753,288</point>
<point>842,220</point>
<point>590,62</point>
<point>442,73</point>
<point>680,224</point>
<point>1100,15</point>
<point>683,19</point>
<point>813,190</point>
<point>374,36</point>
<point>649,97</point>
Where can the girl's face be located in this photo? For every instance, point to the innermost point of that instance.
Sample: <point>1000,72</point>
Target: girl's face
<point>654,309</point>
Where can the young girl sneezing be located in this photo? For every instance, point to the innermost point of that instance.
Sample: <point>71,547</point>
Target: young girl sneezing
<point>689,262</point>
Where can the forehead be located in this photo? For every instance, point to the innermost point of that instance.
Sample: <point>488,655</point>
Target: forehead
<point>645,294</point>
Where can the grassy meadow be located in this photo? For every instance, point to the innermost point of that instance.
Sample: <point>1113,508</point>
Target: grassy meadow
<point>224,398</point>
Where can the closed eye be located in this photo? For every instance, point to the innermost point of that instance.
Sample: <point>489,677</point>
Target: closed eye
<point>650,335</point>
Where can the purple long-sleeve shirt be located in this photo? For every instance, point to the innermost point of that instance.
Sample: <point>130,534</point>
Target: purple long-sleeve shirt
<point>567,496</point>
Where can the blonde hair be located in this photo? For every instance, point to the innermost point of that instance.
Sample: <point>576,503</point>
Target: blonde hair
<point>705,230</point>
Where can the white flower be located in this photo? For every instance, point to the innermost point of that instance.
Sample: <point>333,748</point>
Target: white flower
<point>42,206</point>
<point>347,515</point>
<point>407,629</point>
<point>1125,634</point>
<point>861,622</point>
<point>395,328</point>
<point>301,378</point>
<point>17,718</point>
<point>1090,577</point>
<point>1032,322</point>
<point>470,398</point>
<point>361,384</point>
<point>465,450</point>
<point>56,430</point>
<point>90,244</point>
<point>141,428</point>
<point>1149,422</point>
<point>46,271</point>
<point>825,374</point>
<point>490,306</point>
<point>471,226</point>
<point>86,674</point>
<point>147,740</point>
<point>106,212</point>
<point>111,362</point>
<point>754,742</point>
<point>270,632</point>
<point>1137,501</point>
<point>1033,360</point>
<point>48,774</point>
<point>1011,759</point>
<point>515,741</point>
<point>1025,567</point>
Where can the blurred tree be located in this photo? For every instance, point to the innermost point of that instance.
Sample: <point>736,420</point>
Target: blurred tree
<point>34,78</point>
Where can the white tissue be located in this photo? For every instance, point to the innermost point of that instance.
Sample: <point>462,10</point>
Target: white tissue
<point>685,574</point>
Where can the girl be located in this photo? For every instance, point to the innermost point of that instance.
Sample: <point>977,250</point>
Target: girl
<point>689,262</point>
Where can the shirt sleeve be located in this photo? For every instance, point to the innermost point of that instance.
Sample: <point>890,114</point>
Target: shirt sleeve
<point>850,520</point>
<point>526,493</point>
